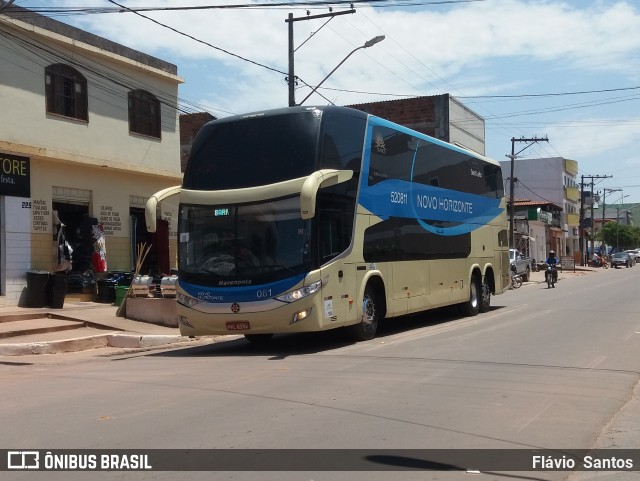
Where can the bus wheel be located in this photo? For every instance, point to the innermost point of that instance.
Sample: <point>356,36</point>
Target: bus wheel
<point>472,306</point>
<point>366,329</point>
<point>485,301</point>
<point>258,339</point>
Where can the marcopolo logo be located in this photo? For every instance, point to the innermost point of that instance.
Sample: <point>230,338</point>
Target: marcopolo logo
<point>23,460</point>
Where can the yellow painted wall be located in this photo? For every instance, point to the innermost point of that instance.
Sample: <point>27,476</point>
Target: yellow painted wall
<point>110,196</point>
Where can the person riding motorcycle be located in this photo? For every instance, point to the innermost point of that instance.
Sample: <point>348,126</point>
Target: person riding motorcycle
<point>552,261</point>
<point>597,260</point>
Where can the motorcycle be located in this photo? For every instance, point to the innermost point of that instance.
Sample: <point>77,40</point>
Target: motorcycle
<point>516,280</point>
<point>551,275</point>
<point>600,262</point>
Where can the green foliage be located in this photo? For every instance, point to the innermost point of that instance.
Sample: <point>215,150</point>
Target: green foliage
<point>621,236</point>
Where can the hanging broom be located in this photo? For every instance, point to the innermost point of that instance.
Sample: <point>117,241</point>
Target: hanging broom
<point>141,254</point>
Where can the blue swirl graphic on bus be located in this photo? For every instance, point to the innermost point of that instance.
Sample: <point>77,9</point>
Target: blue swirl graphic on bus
<point>425,203</point>
<point>240,293</point>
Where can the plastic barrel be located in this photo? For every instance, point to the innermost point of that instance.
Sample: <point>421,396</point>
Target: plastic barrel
<point>106,291</point>
<point>37,288</point>
<point>121,292</point>
<point>56,291</point>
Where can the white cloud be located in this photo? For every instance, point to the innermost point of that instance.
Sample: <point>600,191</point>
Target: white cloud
<point>481,48</point>
<point>423,46</point>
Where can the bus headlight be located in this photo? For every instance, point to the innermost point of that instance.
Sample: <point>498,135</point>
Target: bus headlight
<point>301,293</point>
<point>299,316</point>
<point>185,300</point>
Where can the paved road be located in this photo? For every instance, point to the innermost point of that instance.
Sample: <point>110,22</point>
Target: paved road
<point>545,368</point>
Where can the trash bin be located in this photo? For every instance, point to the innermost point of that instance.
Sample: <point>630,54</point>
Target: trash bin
<point>37,288</point>
<point>56,290</point>
<point>121,293</point>
<point>125,279</point>
<point>106,291</point>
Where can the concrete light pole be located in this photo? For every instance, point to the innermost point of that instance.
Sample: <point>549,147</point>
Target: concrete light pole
<point>618,223</point>
<point>291,79</point>
<point>603,246</point>
<point>512,179</point>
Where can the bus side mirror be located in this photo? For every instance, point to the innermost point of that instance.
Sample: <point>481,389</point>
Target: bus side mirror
<point>151,206</point>
<point>316,181</point>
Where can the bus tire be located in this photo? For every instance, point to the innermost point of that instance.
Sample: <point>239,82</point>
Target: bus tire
<point>366,329</point>
<point>485,300</point>
<point>258,339</point>
<point>472,306</point>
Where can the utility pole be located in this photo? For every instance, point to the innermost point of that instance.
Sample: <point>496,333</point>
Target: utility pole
<point>291,79</point>
<point>582,184</point>
<point>604,206</point>
<point>512,181</point>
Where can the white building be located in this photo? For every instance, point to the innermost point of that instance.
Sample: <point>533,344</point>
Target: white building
<point>89,130</point>
<point>551,180</point>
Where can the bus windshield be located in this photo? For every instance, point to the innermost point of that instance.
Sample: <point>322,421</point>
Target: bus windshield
<point>243,244</point>
<point>253,151</point>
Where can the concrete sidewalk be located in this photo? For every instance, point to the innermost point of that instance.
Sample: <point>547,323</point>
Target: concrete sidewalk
<point>78,326</point>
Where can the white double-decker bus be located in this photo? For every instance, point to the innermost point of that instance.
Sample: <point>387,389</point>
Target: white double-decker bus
<point>314,218</point>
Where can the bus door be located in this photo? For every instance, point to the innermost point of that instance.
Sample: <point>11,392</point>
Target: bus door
<point>442,282</point>
<point>417,276</point>
<point>399,285</point>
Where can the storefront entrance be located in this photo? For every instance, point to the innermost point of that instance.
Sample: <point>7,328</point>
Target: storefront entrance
<point>157,261</point>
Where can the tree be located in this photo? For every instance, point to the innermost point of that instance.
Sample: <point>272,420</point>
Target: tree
<point>621,236</point>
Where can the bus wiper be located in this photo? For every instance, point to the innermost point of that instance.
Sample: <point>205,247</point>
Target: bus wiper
<point>278,266</point>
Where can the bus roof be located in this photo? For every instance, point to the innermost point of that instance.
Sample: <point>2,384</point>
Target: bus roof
<point>353,112</point>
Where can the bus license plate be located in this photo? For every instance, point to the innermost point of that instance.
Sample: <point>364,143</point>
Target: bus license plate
<point>238,325</point>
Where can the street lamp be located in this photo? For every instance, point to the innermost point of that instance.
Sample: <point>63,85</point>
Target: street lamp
<point>367,44</point>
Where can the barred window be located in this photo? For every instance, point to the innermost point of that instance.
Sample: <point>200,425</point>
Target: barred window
<point>144,113</point>
<point>66,92</point>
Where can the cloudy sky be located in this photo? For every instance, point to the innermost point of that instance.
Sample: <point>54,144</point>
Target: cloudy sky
<point>568,70</point>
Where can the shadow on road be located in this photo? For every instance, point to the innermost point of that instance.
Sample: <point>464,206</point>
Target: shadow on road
<point>284,345</point>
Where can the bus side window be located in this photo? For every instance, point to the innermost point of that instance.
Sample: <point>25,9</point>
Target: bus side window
<point>332,239</point>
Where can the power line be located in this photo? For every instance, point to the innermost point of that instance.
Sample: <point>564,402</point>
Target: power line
<point>271,5</point>
<point>551,94</point>
<point>198,40</point>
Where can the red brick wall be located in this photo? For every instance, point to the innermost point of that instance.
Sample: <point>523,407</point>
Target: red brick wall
<point>420,113</point>
<point>190,124</point>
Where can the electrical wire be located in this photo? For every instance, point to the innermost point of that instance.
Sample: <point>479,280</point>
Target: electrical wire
<point>62,11</point>
<point>490,120</point>
<point>198,40</point>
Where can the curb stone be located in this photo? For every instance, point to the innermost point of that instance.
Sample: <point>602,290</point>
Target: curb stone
<point>124,341</point>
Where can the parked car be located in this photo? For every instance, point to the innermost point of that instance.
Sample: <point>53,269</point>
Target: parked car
<point>520,264</point>
<point>621,259</point>
<point>634,254</point>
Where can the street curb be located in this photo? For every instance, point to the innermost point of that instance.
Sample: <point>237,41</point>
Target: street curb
<point>133,341</point>
<point>124,341</point>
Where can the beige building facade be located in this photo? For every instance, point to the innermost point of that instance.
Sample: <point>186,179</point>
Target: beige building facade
<point>90,131</point>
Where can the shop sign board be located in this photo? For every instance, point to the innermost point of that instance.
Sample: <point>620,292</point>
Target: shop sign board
<point>15,175</point>
<point>568,263</point>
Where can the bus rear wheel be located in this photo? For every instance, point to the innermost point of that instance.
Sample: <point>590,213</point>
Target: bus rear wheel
<point>366,329</point>
<point>485,300</point>
<point>472,306</point>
